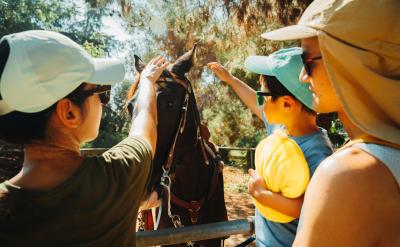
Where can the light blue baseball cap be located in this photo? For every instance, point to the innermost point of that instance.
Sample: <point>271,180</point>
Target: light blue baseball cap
<point>285,65</point>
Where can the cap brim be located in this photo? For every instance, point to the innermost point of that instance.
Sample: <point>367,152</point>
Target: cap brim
<point>258,64</point>
<point>107,71</point>
<point>290,33</point>
<point>5,108</point>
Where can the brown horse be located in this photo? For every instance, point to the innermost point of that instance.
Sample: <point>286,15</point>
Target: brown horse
<point>187,170</point>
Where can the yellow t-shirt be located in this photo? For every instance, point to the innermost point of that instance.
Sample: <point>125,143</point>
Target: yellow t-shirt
<point>282,165</point>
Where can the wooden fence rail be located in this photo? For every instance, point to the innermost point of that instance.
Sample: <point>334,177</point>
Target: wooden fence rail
<point>195,233</point>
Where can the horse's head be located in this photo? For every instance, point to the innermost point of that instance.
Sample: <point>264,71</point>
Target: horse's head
<point>173,95</point>
<point>193,166</point>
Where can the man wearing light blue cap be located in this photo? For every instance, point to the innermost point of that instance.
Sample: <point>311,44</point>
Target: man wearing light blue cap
<point>283,102</point>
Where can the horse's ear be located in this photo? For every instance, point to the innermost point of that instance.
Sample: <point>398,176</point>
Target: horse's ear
<point>184,63</point>
<point>139,65</point>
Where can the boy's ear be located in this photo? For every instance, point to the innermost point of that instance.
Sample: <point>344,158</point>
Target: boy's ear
<point>68,113</point>
<point>288,103</point>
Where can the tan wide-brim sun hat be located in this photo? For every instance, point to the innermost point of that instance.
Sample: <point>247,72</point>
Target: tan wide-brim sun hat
<point>360,46</point>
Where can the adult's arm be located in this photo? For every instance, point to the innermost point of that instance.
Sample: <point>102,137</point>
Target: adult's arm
<point>352,200</point>
<point>144,122</point>
<point>244,91</point>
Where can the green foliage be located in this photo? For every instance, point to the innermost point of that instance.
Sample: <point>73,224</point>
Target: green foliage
<point>228,32</point>
<point>55,15</point>
<point>229,120</point>
<point>21,15</point>
<point>95,51</point>
<point>337,134</point>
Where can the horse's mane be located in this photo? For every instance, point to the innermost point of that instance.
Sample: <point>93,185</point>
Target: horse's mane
<point>133,88</point>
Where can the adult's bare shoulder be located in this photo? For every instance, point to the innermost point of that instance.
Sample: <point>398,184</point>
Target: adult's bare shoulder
<point>352,200</point>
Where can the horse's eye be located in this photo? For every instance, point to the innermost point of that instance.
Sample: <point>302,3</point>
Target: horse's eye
<point>167,104</point>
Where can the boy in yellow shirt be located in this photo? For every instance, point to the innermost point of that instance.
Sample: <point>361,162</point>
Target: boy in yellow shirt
<point>284,161</point>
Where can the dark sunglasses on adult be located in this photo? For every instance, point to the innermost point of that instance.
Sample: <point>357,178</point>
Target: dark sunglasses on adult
<point>260,96</point>
<point>307,62</point>
<point>103,92</point>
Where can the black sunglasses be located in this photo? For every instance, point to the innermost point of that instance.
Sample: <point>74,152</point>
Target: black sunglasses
<point>307,62</point>
<point>103,92</point>
<point>260,96</point>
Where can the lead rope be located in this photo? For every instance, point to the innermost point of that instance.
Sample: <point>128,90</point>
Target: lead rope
<point>158,217</point>
<point>176,220</point>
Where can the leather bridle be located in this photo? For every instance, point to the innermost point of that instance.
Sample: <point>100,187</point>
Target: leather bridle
<point>193,207</point>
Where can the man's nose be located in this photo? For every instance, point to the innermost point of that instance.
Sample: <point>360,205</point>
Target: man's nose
<point>303,76</point>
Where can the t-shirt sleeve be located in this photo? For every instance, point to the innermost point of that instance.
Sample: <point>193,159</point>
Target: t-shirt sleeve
<point>281,163</point>
<point>316,157</point>
<point>129,163</point>
<point>316,150</point>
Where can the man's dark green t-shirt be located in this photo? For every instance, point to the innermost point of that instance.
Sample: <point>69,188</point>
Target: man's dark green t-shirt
<point>96,206</point>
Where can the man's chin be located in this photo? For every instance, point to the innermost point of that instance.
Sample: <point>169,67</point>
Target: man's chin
<point>319,108</point>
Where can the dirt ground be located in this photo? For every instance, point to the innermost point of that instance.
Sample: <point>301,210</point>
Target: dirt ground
<point>238,201</point>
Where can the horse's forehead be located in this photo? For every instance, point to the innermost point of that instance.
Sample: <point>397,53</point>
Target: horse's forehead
<point>168,74</point>
<point>169,67</point>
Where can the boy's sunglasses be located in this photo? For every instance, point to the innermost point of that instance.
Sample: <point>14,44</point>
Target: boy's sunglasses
<point>260,96</point>
<point>307,62</point>
<point>102,91</point>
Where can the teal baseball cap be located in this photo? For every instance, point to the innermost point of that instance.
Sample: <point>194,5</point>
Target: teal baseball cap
<point>285,65</point>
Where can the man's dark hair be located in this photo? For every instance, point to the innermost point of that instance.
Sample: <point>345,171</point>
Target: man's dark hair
<point>276,87</point>
<point>19,127</point>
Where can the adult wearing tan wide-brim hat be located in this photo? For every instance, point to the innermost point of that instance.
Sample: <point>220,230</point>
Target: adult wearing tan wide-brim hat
<point>352,62</point>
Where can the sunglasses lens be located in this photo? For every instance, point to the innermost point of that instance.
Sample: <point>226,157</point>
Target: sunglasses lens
<point>305,64</point>
<point>260,100</point>
<point>307,68</point>
<point>105,97</point>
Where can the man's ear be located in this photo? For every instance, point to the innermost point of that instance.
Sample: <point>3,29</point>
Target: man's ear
<point>68,113</point>
<point>288,103</point>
